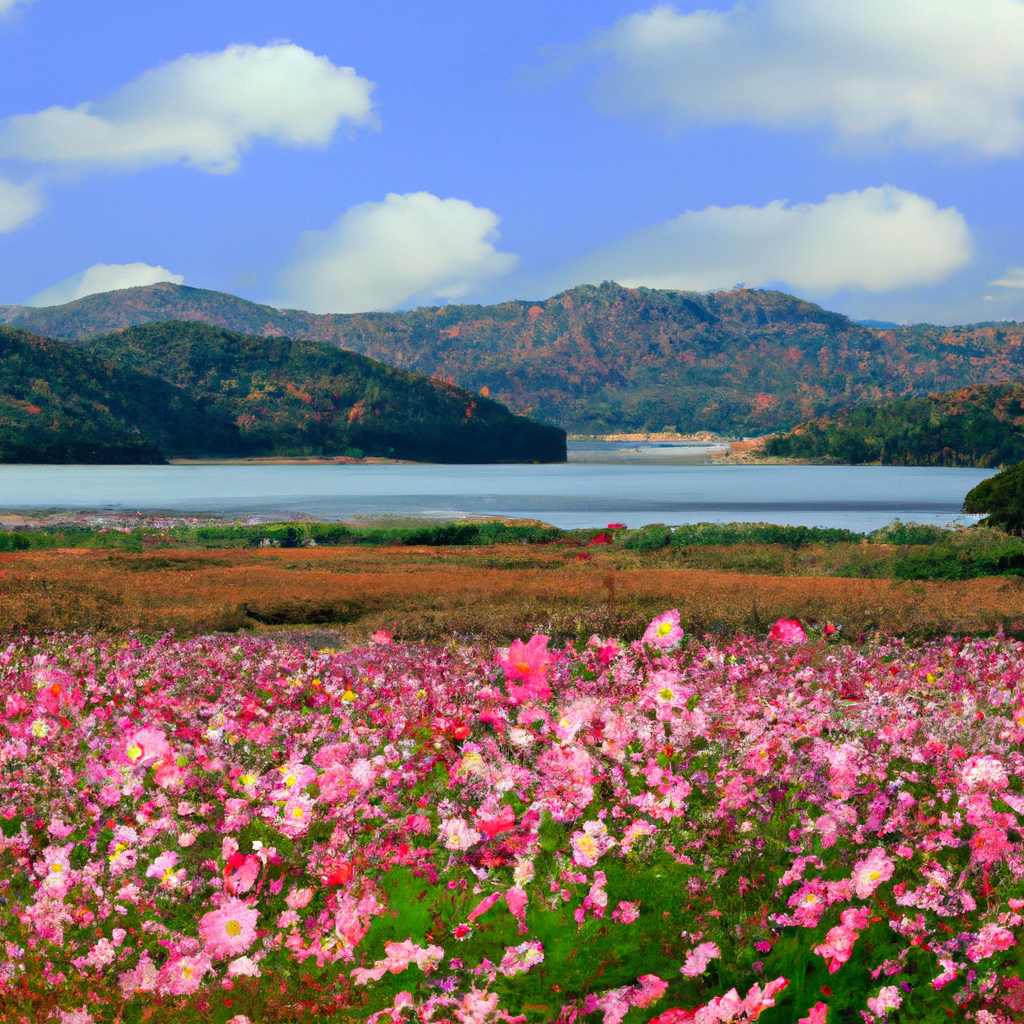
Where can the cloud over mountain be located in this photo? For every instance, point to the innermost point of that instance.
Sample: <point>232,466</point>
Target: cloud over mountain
<point>918,73</point>
<point>377,255</point>
<point>203,110</point>
<point>102,277</point>
<point>874,240</point>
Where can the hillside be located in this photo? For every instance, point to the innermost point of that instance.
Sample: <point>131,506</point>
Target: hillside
<point>603,359</point>
<point>59,404</point>
<point>976,426</point>
<point>191,390</point>
<point>308,398</point>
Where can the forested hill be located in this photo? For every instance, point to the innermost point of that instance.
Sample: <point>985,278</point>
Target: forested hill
<point>597,359</point>
<point>189,389</point>
<point>978,426</point>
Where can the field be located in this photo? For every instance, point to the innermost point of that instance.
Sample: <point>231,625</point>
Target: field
<point>236,830</point>
<point>490,594</point>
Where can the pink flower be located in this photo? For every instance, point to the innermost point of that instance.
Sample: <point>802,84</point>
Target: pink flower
<point>626,913</point>
<point>837,947</point>
<point>146,747</point>
<point>383,637</point>
<point>664,632</point>
<point>650,989</point>
<point>298,812</point>
<point>991,939</point>
<point>788,632</point>
<point>590,844</point>
<point>816,1014</point>
<point>182,975</point>
<point>526,669</point>
<point>871,872</point>
<point>229,931</point>
<point>697,959</point>
<point>483,906</point>
<point>888,998</point>
<point>520,959</point>
<point>503,821</point>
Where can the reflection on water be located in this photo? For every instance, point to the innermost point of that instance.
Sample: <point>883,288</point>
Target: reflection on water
<point>574,495</point>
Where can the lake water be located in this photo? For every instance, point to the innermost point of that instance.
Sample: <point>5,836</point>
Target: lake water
<point>579,494</point>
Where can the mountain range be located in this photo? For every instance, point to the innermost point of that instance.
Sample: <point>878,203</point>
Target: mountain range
<point>193,390</point>
<point>606,358</point>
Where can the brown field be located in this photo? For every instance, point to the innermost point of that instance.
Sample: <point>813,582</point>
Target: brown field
<point>489,595</point>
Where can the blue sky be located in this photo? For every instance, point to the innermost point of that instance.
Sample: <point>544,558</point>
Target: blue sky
<point>507,150</point>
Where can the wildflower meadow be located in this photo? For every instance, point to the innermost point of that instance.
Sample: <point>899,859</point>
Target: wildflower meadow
<point>792,829</point>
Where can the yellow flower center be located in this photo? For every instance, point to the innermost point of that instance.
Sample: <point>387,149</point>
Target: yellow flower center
<point>874,876</point>
<point>233,928</point>
<point>187,970</point>
<point>296,813</point>
<point>58,868</point>
<point>665,693</point>
<point>522,666</point>
<point>664,629</point>
<point>350,696</point>
<point>134,751</point>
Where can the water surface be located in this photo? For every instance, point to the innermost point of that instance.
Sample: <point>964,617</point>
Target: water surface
<point>572,495</point>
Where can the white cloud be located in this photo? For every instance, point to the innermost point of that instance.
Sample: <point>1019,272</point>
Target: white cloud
<point>377,255</point>
<point>18,204</point>
<point>875,240</point>
<point>201,109</point>
<point>922,73</point>
<point>102,277</point>
<point>1013,278</point>
<point>6,6</point>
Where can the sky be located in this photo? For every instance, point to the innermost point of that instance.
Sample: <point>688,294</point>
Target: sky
<point>343,156</point>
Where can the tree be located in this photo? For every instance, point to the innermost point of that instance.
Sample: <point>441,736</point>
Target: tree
<point>1001,497</point>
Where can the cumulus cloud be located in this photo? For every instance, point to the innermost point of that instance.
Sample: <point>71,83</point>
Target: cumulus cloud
<point>18,204</point>
<point>103,277</point>
<point>921,73</point>
<point>6,6</point>
<point>201,109</point>
<point>875,240</point>
<point>377,255</point>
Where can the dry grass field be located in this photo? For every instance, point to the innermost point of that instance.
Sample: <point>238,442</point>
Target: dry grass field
<point>488,595</point>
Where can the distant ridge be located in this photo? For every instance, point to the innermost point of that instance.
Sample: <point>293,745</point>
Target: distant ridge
<point>605,359</point>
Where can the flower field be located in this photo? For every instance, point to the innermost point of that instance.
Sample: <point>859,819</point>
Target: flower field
<point>785,829</point>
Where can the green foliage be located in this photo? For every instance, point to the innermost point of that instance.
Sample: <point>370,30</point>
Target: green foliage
<point>606,358</point>
<point>190,390</point>
<point>1001,497</point>
<point>648,538</point>
<point>716,534</point>
<point>58,404</point>
<point>977,426</point>
<point>308,398</point>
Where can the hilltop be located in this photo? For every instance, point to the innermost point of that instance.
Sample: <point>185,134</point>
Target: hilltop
<point>976,426</point>
<point>607,358</point>
<point>189,389</point>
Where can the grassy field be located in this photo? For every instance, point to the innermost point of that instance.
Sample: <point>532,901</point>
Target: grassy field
<point>491,594</point>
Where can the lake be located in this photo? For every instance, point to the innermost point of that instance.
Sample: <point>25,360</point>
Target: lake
<point>579,494</point>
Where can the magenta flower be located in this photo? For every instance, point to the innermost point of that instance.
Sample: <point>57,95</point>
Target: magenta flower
<point>664,632</point>
<point>788,632</point>
<point>229,931</point>
<point>526,669</point>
